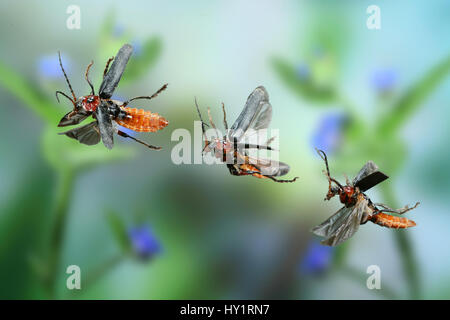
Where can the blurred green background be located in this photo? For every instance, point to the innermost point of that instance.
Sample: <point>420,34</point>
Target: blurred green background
<point>141,227</point>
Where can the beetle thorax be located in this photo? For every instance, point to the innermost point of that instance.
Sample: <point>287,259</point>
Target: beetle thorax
<point>223,145</point>
<point>221,148</point>
<point>90,102</point>
<point>347,196</point>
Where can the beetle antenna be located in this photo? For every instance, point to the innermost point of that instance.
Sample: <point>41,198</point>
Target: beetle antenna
<point>225,123</point>
<point>203,124</point>
<point>347,180</point>
<point>323,155</point>
<point>87,77</point>
<point>212,123</point>
<point>65,95</point>
<point>200,116</point>
<point>67,79</point>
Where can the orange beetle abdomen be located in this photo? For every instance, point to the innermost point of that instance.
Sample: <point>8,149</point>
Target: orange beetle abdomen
<point>140,120</point>
<point>386,220</point>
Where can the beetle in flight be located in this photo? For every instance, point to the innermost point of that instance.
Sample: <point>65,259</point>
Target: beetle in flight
<point>108,113</point>
<point>233,148</point>
<point>358,208</point>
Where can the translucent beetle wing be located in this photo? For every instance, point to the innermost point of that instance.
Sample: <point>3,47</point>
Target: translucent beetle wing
<point>343,224</point>
<point>269,167</point>
<point>256,115</point>
<point>368,177</point>
<point>88,134</point>
<point>71,118</point>
<point>242,146</point>
<point>112,77</point>
<point>348,228</point>
<point>329,226</point>
<point>105,125</point>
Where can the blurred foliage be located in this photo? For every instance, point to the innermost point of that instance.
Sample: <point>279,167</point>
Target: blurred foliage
<point>151,50</point>
<point>307,86</point>
<point>119,231</point>
<point>144,56</point>
<point>27,93</point>
<point>68,154</point>
<point>413,98</point>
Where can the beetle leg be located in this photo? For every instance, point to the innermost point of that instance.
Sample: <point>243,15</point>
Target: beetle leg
<point>233,170</point>
<point>125,135</point>
<point>107,66</point>
<point>281,180</point>
<point>225,123</point>
<point>146,97</point>
<point>403,210</point>
<point>259,175</point>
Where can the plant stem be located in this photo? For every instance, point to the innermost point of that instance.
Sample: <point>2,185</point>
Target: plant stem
<point>64,190</point>
<point>409,262</point>
<point>99,272</point>
<point>103,269</point>
<point>340,254</point>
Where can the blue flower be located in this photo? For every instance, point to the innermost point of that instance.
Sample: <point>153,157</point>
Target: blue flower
<point>127,131</point>
<point>143,242</point>
<point>384,80</point>
<point>317,258</point>
<point>118,30</point>
<point>303,71</point>
<point>137,47</point>
<point>49,68</point>
<point>118,97</point>
<point>328,133</point>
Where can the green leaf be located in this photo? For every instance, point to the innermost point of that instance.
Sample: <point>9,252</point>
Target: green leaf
<point>388,154</point>
<point>305,88</point>
<point>412,99</point>
<point>38,266</point>
<point>140,64</point>
<point>109,42</point>
<point>119,231</point>
<point>107,27</point>
<point>333,37</point>
<point>64,153</point>
<point>340,255</point>
<point>30,97</point>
